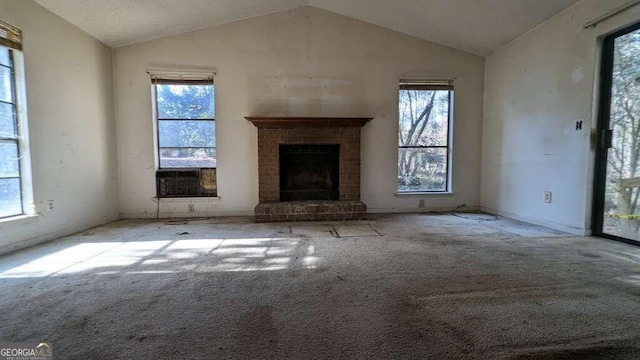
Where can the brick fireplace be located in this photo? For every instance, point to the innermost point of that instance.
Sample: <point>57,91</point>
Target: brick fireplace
<point>303,151</point>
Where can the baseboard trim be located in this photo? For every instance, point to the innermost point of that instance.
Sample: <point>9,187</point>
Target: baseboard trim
<point>43,238</point>
<point>169,214</point>
<point>536,221</point>
<point>443,209</point>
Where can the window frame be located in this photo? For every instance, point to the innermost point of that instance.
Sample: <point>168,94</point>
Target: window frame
<point>430,85</point>
<point>15,139</point>
<point>14,48</point>
<point>180,80</point>
<point>605,133</point>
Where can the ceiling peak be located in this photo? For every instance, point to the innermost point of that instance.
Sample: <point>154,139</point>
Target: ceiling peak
<point>476,26</point>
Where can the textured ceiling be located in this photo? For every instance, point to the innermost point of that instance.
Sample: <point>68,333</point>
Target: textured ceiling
<point>477,26</point>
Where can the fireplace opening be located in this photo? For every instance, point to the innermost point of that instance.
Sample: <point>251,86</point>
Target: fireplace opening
<point>309,172</point>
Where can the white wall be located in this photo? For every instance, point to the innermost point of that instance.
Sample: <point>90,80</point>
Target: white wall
<point>72,130</point>
<point>303,62</point>
<point>536,88</point>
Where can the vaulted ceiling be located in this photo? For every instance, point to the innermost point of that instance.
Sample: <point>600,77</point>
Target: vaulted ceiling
<point>476,26</point>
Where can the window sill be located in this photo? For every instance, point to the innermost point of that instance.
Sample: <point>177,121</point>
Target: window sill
<point>423,194</point>
<point>18,219</point>
<point>180,200</point>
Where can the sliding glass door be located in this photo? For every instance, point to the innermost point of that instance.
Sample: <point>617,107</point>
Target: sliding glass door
<point>617,187</point>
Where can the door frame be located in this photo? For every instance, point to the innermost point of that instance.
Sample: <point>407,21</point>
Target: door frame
<point>604,119</point>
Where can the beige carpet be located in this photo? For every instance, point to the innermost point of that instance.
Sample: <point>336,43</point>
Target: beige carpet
<point>393,287</point>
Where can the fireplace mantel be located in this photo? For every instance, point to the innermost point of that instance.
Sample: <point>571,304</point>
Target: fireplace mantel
<point>275,122</point>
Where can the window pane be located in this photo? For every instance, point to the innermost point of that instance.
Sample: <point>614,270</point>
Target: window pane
<point>7,121</point>
<point>6,90</point>
<point>4,56</point>
<point>10,202</point>
<point>423,118</point>
<point>185,101</point>
<point>9,159</point>
<point>187,158</point>
<point>422,170</point>
<point>185,133</point>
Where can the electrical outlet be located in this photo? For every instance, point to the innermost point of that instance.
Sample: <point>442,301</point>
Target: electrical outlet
<point>421,203</point>
<point>578,125</point>
<point>192,208</point>
<point>547,197</point>
<point>49,205</point>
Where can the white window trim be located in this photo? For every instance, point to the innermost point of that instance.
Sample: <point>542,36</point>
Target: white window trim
<point>156,74</point>
<point>443,81</point>
<point>423,194</point>
<point>178,75</point>
<point>26,175</point>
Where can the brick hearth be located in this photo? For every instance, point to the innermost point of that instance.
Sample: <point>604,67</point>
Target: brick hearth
<point>272,132</point>
<point>310,211</point>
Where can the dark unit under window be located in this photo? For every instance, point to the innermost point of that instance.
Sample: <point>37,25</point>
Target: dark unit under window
<point>186,183</point>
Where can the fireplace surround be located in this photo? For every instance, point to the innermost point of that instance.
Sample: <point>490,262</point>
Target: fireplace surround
<point>332,192</point>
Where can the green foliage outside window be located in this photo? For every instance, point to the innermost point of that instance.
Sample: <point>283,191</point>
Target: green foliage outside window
<point>186,126</point>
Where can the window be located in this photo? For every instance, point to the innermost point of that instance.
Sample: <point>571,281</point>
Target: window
<point>424,136</point>
<point>186,124</point>
<point>12,127</point>
<point>186,135</point>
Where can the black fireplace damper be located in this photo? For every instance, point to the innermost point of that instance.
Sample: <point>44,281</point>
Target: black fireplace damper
<point>309,172</point>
